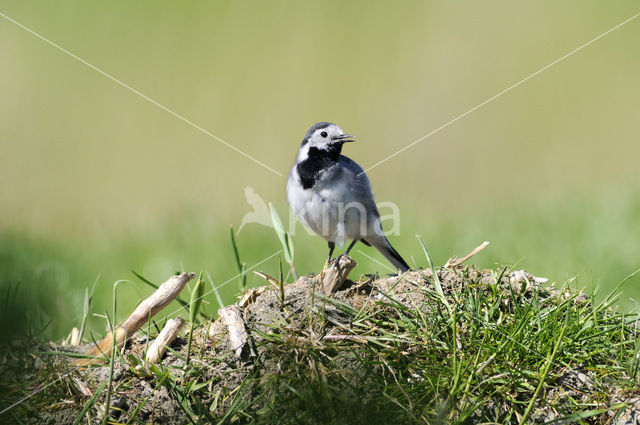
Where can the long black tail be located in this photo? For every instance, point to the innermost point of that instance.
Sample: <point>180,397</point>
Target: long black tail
<point>385,248</point>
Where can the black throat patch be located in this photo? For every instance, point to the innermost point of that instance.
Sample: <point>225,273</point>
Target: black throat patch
<point>310,170</point>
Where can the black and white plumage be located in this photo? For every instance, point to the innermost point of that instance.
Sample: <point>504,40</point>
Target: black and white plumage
<point>331,195</point>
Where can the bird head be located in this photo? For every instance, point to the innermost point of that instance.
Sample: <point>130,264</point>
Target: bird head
<point>326,136</point>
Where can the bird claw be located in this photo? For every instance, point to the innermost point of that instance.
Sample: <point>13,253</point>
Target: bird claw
<point>333,261</point>
<point>340,257</point>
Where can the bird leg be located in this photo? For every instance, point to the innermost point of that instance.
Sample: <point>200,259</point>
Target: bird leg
<point>346,253</point>
<point>337,260</point>
<point>332,246</point>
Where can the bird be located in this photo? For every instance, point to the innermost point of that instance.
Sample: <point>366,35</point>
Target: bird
<point>331,195</point>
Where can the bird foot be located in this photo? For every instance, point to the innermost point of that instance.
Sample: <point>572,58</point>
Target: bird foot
<point>334,261</point>
<point>343,255</point>
<point>335,273</point>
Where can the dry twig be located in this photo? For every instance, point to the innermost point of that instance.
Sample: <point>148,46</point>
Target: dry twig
<point>164,339</point>
<point>455,262</point>
<point>238,336</point>
<point>148,308</point>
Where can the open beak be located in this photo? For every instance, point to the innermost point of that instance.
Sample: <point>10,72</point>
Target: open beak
<point>344,138</point>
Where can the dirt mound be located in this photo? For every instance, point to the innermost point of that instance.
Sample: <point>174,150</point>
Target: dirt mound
<point>402,349</point>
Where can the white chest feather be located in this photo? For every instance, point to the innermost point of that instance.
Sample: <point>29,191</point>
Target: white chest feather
<point>330,209</point>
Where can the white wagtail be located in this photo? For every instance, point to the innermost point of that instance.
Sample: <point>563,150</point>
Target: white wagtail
<point>331,195</point>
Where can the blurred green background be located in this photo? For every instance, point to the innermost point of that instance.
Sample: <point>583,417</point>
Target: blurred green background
<point>96,181</point>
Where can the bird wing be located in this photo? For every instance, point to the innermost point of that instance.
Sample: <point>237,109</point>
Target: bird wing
<point>359,182</point>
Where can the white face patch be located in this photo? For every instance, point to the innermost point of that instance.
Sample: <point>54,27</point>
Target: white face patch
<point>303,153</point>
<point>319,141</point>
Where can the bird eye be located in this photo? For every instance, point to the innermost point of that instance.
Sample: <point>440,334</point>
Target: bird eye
<point>323,134</point>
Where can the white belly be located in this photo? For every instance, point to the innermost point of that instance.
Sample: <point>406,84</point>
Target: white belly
<point>330,212</point>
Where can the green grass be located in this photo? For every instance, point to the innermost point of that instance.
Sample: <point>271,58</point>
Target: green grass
<point>125,187</point>
<point>575,239</point>
<point>442,359</point>
<point>489,351</point>
<point>425,362</point>
<point>104,194</point>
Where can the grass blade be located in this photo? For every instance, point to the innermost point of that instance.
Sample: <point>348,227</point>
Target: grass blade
<point>239,264</point>
<point>90,403</point>
<point>281,280</point>
<point>545,372</point>
<point>285,239</point>
<point>194,306</point>
<point>215,290</point>
<point>88,296</point>
<point>434,272</point>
